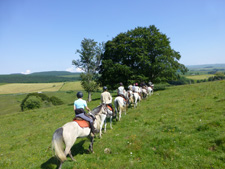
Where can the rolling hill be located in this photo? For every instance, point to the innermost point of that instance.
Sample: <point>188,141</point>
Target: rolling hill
<point>40,77</point>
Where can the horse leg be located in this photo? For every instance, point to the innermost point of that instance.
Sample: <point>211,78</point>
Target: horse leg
<point>91,144</point>
<point>111,122</point>
<point>116,112</point>
<point>100,130</point>
<point>120,114</point>
<point>105,125</point>
<point>71,156</point>
<point>69,143</point>
<point>67,151</point>
<point>60,166</point>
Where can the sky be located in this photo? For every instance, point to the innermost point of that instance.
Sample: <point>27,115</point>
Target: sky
<point>43,35</point>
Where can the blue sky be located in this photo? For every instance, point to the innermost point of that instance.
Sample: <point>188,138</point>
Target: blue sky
<point>43,35</point>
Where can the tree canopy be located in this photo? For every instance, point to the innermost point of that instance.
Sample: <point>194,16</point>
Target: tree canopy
<point>138,55</point>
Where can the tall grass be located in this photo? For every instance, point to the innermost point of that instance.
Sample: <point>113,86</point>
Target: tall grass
<point>180,127</point>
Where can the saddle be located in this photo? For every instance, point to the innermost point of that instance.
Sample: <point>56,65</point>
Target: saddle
<point>81,122</point>
<point>109,107</point>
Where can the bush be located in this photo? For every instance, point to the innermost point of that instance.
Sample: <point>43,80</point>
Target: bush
<point>160,86</point>
<point>35,100</point>
<point>217,76</point>
<point>56,101</point>
<point>32,103</point>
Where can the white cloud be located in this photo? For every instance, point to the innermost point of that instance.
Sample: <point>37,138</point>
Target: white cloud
<point>26,72</point>
<point>73,69</point>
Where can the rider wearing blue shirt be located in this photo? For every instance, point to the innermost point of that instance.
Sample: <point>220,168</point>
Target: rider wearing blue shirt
<point>79,106</point>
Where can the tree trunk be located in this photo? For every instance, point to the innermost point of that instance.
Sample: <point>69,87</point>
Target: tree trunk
<point>89,96</point>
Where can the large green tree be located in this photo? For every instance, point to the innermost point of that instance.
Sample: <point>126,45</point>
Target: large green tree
<point>90,57</point>
<point>139,55</point>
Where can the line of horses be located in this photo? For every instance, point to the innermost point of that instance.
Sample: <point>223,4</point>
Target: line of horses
<point>66,135</point>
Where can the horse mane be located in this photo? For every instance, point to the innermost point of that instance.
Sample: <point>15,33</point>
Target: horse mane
<point>96,110</point>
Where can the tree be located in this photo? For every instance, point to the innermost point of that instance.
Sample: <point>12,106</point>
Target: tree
<point>90,57</point>
<point>139,55</point>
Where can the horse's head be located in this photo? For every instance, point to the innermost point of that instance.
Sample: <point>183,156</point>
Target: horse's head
<point>101,109</point>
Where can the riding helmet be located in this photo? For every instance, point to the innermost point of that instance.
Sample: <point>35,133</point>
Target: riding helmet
<point>104,88</point>
<point>79,94</point>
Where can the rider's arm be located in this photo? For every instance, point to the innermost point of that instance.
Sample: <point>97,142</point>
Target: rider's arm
<point>87,108</point>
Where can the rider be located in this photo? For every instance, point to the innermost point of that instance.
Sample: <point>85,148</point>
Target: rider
<point>136,88</point>
<point>121,91</point>
<point>106,98</point>
<point>150,84</point>
<point>79,106</point>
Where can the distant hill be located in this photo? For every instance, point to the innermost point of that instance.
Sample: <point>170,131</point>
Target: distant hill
<point>53,73</point>
<point>40,77</point>
<point>205,69</point>
<point>206,66</point>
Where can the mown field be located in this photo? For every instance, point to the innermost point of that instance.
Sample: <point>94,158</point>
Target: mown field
<point>180,127</point>
<point>15,88</point>
<point>199,77</point>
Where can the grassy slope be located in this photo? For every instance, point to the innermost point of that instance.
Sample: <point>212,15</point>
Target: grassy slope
<point>181,127</point>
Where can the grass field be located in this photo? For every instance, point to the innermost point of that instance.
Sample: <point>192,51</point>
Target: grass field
<point>180,127</point>
<point>71,86</point>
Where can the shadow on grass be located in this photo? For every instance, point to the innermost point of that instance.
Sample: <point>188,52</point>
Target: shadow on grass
<point>53,162</point>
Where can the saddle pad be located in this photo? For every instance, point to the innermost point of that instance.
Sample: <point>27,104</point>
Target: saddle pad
<point>109,107</point>
<point>82,123</point>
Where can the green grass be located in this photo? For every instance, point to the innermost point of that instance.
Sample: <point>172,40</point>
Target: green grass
<point>180,127</point>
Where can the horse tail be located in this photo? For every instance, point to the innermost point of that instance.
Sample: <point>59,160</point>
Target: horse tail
<point>58,144</point>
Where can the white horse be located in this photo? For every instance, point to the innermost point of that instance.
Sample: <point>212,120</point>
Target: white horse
<point>144,92</point>
<point>68,133</point>
<point>150,90</point>
<point>105,117</point>
<point>137,98</point>
<point>120,106</point>
<point>130,96</point>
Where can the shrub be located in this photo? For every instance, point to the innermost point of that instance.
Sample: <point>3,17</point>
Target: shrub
<point>56,101</point>
<point>217,76</point>
<point>35,100</point>
<point>160,86</point>
<point>32,103</point>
